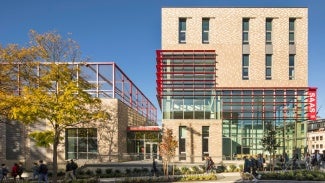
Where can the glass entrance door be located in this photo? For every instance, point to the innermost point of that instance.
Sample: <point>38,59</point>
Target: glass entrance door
<point>151,150</point>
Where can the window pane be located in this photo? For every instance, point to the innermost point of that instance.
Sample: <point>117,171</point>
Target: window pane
<point>72,145</point>
<point>245,72</point>
<point>291,73</point>
<point>291,37</point>
<point>92,132</point>
<point>182,37</point>
<point>182,24</point>
<point>72,132</point>
<point>205,37</point>
<point>291,24</point>
<point>268,36</point>
<point>245,60</point>
<point>268,60</point>
<point>245,24</point>
<point>291,60</point>
<point>269,24</point>
<point>268,71</point>
<point>82,132</point>
<point>92,145</point>
<point>245,36</point>
<point>82,145</point>
<point>205,24</point>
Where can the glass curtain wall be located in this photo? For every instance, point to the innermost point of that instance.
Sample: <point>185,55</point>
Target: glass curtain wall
<point>245,114</point>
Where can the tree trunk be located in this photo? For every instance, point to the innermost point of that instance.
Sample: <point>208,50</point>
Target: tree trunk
<point>55,157</point>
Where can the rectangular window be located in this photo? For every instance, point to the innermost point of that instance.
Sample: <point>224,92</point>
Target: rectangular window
<point>245,31</point>
<point>268,67</point>
<point>81,143</point>
<point>317,138</point>
<point>205,141</point>
<point>268,30</point>
<point>291,67</point>
<point>245,66</point>
<point>313,138</point>
<point>205,30</point>
<point>182,143</point>
<point>182,30</point>
<point>320,137</point>
<point>321,146</point>
<point>292,30</point>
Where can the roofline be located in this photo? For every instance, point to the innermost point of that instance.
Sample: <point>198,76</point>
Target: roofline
<point>241,7</point>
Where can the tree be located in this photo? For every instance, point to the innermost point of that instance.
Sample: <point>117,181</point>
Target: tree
<point>54,91</point>
<point>167,148</point>
<point>269,141</point>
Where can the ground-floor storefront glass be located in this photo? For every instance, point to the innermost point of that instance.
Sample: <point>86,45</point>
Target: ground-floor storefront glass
<point>245,114</point>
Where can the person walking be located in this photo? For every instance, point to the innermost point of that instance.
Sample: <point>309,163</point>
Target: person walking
<point>35,169</point>
<point>307,161</point>
<point>20,170</point>
<point>42,173</point>
<point>74,167</point>
<point>207,164</point>
<point>69,172</point>
<point>14,171</point>
<point>4,172</point>
<point>154,167</point>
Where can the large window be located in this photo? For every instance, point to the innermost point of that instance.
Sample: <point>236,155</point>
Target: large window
<point>205,141</point>
<point>245,30</point>
<point>182,30</point>
<point>245,66</point>
<point>291,67</point>
<point>182,143</point>
<point>292,31</point>
<point>268,30</point>
<point>205,30</point>
<point>268,67</point>
<point>81,143</point>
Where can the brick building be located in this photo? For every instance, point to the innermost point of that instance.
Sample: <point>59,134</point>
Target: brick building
<point>224,73</point>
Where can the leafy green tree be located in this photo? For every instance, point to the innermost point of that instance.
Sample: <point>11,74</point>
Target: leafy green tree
<point>167,148</point>
<point>55,94</point>
<point>269,141</point>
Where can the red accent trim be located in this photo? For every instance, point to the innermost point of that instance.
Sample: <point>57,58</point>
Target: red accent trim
<point>143,128</point>
<point>312,110</point>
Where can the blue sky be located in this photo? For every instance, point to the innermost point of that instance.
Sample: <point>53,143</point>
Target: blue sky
<point>129,31</point>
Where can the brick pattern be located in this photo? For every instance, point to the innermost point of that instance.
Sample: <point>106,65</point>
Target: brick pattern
<point>226,38</point>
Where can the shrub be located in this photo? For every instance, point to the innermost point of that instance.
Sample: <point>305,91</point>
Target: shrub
<point>232,168</point>
<point>98,171</point>
<point>108,171</point>
<point>89,172</point>
<point>185,170</point>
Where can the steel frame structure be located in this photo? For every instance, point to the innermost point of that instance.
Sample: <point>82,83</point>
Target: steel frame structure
<point>110,82</point>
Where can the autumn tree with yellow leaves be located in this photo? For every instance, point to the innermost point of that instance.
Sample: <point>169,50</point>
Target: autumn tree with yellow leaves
<point>55,94</point>
<point>167,148</point>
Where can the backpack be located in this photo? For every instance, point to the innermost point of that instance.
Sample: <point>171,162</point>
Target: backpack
<point>20,170</point>
<point>43,169</point>
<point>74,166</point>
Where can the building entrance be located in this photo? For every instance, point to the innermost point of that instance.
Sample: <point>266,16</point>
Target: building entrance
<point>151,150</point>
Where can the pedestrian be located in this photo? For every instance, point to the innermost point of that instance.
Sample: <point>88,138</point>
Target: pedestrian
<point>4,172</point>
<point>42,174</point>
<point>14,171</point>
<point>307,161</point>
<point>260,161</point>
<point>35,169</point>
<point>282,162</point>
<point>154,167</point>
<point>207,164</point>
<point>20,170</point>
<point>74,167</point>
<point>247,165</point>
<point>69,172</point>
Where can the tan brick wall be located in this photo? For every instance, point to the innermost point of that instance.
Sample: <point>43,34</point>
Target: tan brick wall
<point>226,38</point>
<point>194,138</point>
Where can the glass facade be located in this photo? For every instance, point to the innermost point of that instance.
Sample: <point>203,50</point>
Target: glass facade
<point>187,90</point>
<point>81,143</point>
